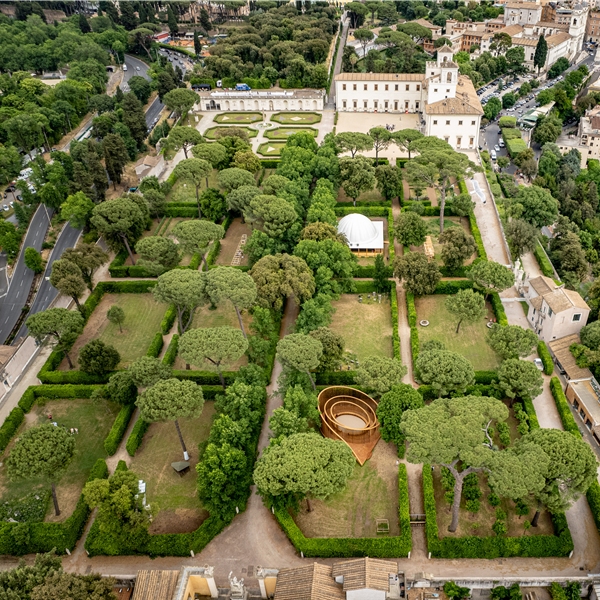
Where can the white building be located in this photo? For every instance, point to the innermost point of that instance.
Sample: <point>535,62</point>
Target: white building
<point>447,102</point>
<point>365,237</point>
<point>554,311</point>
<point>587,138</point>
<point>275,100</point>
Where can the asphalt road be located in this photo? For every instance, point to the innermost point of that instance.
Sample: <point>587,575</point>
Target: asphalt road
<point>46,293</point>
<point>18,290</point>
<point>137,67</point>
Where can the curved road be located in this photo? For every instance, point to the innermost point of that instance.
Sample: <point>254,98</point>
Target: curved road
<point>13,294</point>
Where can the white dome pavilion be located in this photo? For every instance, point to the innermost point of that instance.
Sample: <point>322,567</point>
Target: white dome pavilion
<point>361,232</point>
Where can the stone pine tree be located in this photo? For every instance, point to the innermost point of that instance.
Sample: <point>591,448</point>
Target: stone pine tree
<point>196,171</point>
<point>170,400</point>
<point>33,260</point>
<point>183,288</point>
<point>67,278</point>
<point>194,236</point>
<point>379,374</point>
<point>62,324</point>
<point>227,283</point>
<point>303,465</point>
<point>467,305</point>
<point>489,276</point>
<point>449,433</point>
<point>541,53</point>
<point>215,345</point>
<point>88,257</point>
<point>183,138</point>
<point>445,371</point>
<point>43,451</point>
<point>300,352</point>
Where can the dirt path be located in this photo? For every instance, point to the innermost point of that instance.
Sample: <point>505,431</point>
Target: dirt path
<point>415,496</point>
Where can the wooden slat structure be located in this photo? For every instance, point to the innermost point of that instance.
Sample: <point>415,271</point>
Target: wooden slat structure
<point>428,247</point>
<point>365,574</point>
<point>155,585</point>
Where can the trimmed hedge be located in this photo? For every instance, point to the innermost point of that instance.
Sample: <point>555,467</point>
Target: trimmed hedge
<point>367,286</point>
<point>167,322</point>
<point>560,544</point>
<point>374,211</point>
<point>10,426</point>
<point>477,236</point>
<point>515,146</point>
<point>544,354</point>
<point>206,377</point>
<point>335,378</point>
<point>117,431</point>
<point>530,410</point>
<point>543,260</point>
<point>136,436</point>
<point>452,287</point>
<point>171,353</point>
<point>155,345</point>
<point>498,309</point>
<point>395,334</point>
<point>181,211</point>
<point>429,393</point>
<point>44,537</point>
<point>388,547</point>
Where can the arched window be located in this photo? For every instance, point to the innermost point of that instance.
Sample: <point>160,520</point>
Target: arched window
<point>449,78</point>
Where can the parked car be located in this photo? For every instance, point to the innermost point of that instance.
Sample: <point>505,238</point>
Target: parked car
<point>501,144</point>
<point>538,363</point>
<point>497,148</point>
<point>5,208</point>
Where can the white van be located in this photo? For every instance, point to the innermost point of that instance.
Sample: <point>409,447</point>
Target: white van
<point>124,67</point>
<point>493,154</point>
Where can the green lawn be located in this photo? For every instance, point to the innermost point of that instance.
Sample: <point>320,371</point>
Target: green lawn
<point>471,339</point>
<point>371,195</point>
<point>211,132</point>
<point>93,419</point>
<point>282,133</point>
<point>371,494</point>
<point>366,328</point>
<point>161,447</point>
<point>184,191</point>
<point>271,148</point>
<point>233,118</point>
<point>296,118</point>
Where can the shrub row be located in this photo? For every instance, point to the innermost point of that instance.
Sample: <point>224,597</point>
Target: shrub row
<point>155,345</point>
<point>117,431</point>
<point>429,393</point>
<point>560,544</point>
<point>477,236</point>
<point>368,271</point>
<point>498,309</point>
<point>412,322</point>
<point>375,211</point>
<point>395,334</point>
<point>389,547</point>
<point>136,436</point>
<point>543,260</point>
<point>569,424</point>
<point>531,414</point>
<point>544,353</point>
<point>43,537</point>
<point>391,250</point>
<point>335,378</point>
<point>10,426</point>
<point>171,353</point>
<point>168,319</point>
<point>205,377</point>
<point>458,272</point>
<point>367,286</point>
<point>181,211</point>
<point>452,287</point>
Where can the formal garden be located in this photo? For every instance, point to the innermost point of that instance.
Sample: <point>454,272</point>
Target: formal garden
<point>233,118</point>
<point>296,118</point>
<point>283,133</point>
<point>189,349</point>
<point>271,148</point>
<point>212,133</point>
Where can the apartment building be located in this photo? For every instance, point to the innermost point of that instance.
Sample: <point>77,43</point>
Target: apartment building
<point>592,29</point>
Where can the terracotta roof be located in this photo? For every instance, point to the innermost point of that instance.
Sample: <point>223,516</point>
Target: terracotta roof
<point>312,582</point>
<point>149,161</point>
<point>537,302</point>
<point>466,101</point>
<point>552,24</point>
<point>522,5</point>
<point>155,585</point>
<point>365,573</point>
<point>510,30</point>
<point>557,39</point>
<point>560,349</point>
<point>427,24</point>
<point>445,49</point>
<point>576,299</point>
<point>519,41</point>
<point>542,285</point>
<point>391,77</point>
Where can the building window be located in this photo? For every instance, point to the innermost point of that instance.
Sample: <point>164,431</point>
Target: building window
<point>435,122</point>
<point>435,90</point>
<point>406,105</point>
<point>354,105</point>
<point>375,86</point>
<point>396,87</point>
<point>458,141</point>
<point>550,313</point>
<point>344,104</point>
<point>354,86</point>
<point>472,122</point>
<point>386,105</point>
<point>365,104</point>
<point>460,122</point>
<point>375,104</point>
<point>387,87</point>
<point>418,87</point>
<point>407,87</point>
<point>446,139</point>
<point>577,317</point>
<point>447,122</point>
<point>365,87</point>
<point>344,86</point>
<point>396,105</point>
<point>417,105</point>
<point>471,141</point>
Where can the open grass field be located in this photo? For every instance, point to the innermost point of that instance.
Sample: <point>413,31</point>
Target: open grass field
<point>271,148</point>
<point>211,133</point>
<point>296,118</point>
<point>282,133</point>
<point>480,523</point>
<point>366,328</point>
<point>142,321</point>
<point>233,118</point>
<point>470,340</point>
<point>180,509</point>
<point>93,419</point>
<point>184,191</point>
<point>371,494</point>
<point>230,242</point>
<point>223,315</point>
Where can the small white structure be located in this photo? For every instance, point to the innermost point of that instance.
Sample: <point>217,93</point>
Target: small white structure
<point>257,100</point>
<point>364,236</point>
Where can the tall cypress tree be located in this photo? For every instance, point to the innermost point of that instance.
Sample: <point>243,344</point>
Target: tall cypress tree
<point>541,52</point>
<point>197,44</point>
<point>172,21</point>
